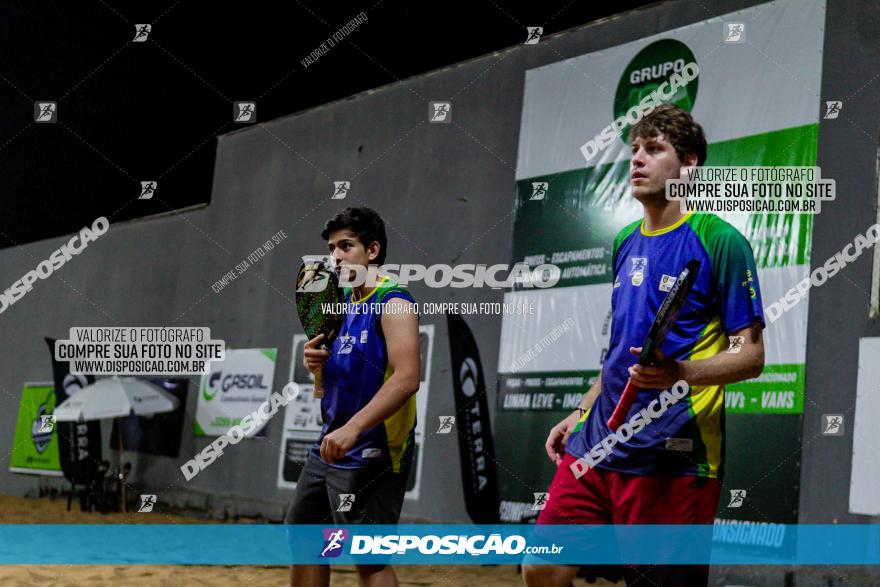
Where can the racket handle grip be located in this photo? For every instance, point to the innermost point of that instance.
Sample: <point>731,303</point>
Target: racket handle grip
<point>623,405</point>
<point>319,384</point>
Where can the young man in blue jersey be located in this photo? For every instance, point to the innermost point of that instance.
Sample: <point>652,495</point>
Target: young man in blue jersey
<point>670,471</point>
<point>356,472</point>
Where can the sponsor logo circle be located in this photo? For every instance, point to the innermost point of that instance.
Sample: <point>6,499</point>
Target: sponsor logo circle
<point>652,66</point>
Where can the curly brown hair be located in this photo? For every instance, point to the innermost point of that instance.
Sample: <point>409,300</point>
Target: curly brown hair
<point>678,127</point>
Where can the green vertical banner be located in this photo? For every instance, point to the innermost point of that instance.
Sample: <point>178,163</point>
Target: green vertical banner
<point>35,445</point>
<point>573,196</point>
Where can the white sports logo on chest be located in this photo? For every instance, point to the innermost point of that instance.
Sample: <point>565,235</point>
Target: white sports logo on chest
<point>637,271</point>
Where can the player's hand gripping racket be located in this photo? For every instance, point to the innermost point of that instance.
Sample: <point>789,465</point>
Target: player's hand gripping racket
<point>317,286</point>
<point>664,320</point>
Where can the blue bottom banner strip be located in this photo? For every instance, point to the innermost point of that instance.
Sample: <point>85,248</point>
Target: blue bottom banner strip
<point>414,544</point>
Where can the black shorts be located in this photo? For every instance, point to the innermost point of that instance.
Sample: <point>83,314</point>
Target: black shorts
<point>375,495</point>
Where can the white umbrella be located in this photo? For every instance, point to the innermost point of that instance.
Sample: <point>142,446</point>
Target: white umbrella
<point>115,397</point>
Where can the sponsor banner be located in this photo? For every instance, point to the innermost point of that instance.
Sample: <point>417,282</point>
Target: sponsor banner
<point>476,448</point>
<point>586,208</point>
<point>572,197</point>
<point>779,390</point>
<point>577,348</point>
<point>232,389</point>
<point>303,421</point>
<point>723,543</point>
<point>79,443</point>
<point>739,93</point>
<point>544,391</point>
<point>529,404</point>
<point>35,444</point>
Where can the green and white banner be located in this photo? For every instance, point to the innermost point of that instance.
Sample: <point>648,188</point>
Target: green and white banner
<point>234,388</point>
<point>35,445</point>
<point>757,98</point>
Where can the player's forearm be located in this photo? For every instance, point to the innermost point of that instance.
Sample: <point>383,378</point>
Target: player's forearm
<point>723,368</point>
<point>391,396</point>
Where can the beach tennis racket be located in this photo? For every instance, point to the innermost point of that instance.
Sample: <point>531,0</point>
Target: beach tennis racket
<point>663,321</point>
<point>317,293</point>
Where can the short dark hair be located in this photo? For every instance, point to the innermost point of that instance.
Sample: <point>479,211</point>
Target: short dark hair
<point>678,127</point>
<point>365,223</point>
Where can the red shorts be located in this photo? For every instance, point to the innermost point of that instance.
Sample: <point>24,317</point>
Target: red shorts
<point>608,497</point>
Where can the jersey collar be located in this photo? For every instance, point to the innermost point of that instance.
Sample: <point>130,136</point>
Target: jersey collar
<point>381,282</point>
<point>669,228</point>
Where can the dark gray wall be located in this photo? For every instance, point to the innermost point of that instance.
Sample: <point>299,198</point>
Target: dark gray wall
<point>839,309</point>
<point>446,192</point>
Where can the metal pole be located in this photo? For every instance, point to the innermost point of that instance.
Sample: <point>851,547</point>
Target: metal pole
<point>121,474</point>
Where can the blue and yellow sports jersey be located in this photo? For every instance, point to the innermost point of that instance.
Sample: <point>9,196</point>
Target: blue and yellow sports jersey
<point>688,439</point>
<point>354,373</point>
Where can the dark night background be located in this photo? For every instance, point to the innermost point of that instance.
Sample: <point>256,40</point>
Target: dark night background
<point>129,111</point>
